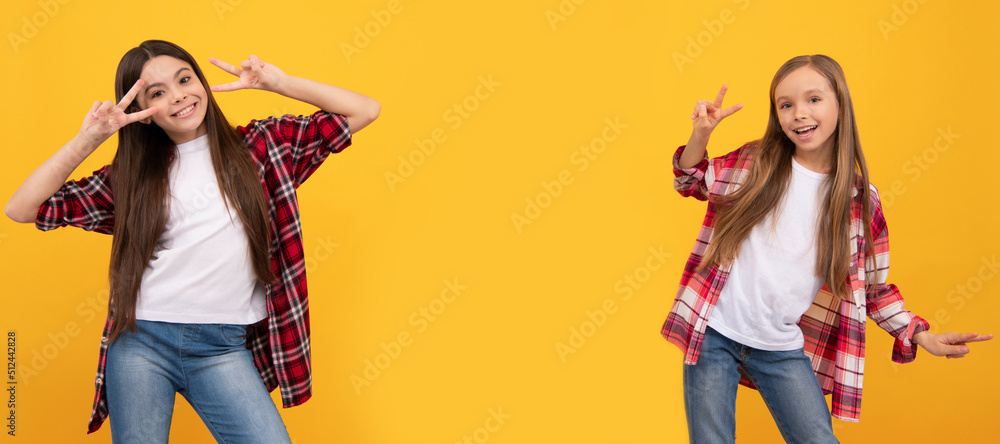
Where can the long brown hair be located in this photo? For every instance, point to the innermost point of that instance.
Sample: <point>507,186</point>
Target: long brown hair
<point>141,188</point>
<point>738,213</point>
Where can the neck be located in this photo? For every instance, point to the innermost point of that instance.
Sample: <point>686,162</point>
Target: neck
<point>179,138</point>
<point>817,161</point>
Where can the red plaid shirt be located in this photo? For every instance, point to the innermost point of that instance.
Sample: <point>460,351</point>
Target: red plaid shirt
<point>287,150</point>
<point>834,329</point>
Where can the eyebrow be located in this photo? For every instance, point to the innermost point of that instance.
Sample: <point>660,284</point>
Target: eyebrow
<point>153,85</point>
<point>811,91</point>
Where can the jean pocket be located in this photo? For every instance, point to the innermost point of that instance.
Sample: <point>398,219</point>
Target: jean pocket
<point>234,335</point>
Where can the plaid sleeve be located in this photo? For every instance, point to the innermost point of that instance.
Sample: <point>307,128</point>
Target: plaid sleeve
<point>690,182</point>
<point>885,304</point>
<point>87,203</point>
<point>302,143</point>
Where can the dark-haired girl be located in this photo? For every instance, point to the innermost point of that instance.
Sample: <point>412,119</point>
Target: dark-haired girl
<point>208,293</point>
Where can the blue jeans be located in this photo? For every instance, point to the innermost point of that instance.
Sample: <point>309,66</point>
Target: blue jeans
<point>785,379</point>
<point>208,364</point>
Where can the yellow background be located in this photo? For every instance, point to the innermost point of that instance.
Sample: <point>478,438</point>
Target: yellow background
<point>494,346</point>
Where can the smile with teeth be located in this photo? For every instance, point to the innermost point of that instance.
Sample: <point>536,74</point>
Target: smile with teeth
<point>805,129</point>
<point>185,112</point>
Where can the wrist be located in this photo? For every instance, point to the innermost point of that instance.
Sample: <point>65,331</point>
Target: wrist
<point>919,338</point>
<point>84,142</point>
<point>283,85</point>
<point>83,145</point>
<point>698,138</point>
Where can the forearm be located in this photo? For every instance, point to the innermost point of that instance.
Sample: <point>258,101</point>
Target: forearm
<point>47,179</point>
<point>695,150</point>
<point>359,109</point>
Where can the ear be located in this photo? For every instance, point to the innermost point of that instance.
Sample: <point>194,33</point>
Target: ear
<point>146,120</point>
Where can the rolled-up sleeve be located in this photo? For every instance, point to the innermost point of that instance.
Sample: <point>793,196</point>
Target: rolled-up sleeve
<point>690,182</point>
<point>87,203</point>
<point>298,144</point>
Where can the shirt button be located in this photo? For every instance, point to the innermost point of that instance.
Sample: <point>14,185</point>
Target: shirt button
<point>98,380</point>
<point>104,340</point>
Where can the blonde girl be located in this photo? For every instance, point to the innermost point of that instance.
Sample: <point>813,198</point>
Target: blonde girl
<point>792,255</point>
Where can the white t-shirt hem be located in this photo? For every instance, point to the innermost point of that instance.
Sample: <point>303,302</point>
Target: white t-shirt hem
<point>750,342</point>
<point>199,318</point>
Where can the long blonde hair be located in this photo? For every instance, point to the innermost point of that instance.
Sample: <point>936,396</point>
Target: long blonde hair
<point>771,164</point>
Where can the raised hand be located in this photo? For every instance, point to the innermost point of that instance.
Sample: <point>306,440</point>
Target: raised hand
<point>253,74</point>
<point>952,345</point>
<point>707,115</point>
<point>106,118</point>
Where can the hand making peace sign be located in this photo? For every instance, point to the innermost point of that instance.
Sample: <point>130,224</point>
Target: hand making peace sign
<point>106,118</point>
<point>707,115</point>
<point>253,74</point>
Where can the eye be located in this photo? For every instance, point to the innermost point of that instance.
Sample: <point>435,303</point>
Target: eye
<point>784,105</point>
<point>814,99</point>
<point>185,80</point>
<point>155,94</point>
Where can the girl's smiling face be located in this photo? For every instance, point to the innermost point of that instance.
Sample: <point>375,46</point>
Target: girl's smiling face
<point>807,110</point>
<point>173,86</point>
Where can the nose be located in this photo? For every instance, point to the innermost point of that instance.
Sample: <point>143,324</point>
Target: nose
<point>177,95</point>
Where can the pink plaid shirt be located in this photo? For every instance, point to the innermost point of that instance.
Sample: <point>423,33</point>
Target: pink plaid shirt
<point>834,329</point>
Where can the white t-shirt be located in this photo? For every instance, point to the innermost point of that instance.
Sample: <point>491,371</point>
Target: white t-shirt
<point>773,280</point>
<point>200,272</point>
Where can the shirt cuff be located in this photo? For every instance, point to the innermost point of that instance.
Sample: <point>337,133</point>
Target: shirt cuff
<point>697,171</point>
<point>905,350</point>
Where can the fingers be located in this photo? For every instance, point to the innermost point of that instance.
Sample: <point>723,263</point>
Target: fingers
<point>140,115</point>
<point>226,87</point>
<point>705,107</point>
<point>731,110</point>
<point>697,110</point>
<point>93,108</point>
<point>956,351</point>
<point>954,344</point>
<point>952,338</point>
<point>256,61</point>
<point>961,338</point>
<point>130,95</point>
<point>981,338</point>
<point>103,110</point>
<point>722,94</point>
<point>252,64</point>
<point>224,66</point>
<point>249,70</point>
